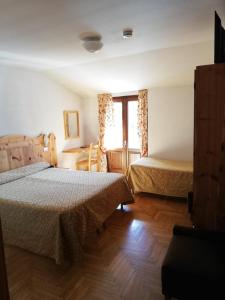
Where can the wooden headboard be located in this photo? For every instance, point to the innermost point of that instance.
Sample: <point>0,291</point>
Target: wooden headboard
<point>19,150</point>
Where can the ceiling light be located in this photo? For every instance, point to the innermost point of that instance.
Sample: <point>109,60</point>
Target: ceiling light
<point>127,33</point>
<point>92,43</point>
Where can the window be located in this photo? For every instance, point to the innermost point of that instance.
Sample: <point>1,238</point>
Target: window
<point>114,134</point>
<point>133,138</point>
<point>124,132</point>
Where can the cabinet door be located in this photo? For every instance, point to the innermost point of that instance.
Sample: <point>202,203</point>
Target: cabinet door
<point>4,293</point>
<point>208,133</point>
<point>117,160</point>
<point>221,190</point>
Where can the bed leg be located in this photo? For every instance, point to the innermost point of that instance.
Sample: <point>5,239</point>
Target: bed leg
<point>121,207</point>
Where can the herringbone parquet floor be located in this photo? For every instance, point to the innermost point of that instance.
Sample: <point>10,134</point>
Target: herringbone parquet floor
<point>123,262</point>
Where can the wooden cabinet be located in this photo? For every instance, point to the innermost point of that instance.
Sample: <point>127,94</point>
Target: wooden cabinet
<point>119,159</point>
<point>116,160</point>
<point>209,148</point>
<point>4,292</point>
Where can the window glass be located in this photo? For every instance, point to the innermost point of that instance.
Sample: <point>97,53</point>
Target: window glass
<point>133,139</point>
<point>114,134</point>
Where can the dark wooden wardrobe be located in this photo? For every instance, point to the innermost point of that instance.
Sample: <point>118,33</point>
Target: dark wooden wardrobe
<point>209,148</point>
<point>4,293</point>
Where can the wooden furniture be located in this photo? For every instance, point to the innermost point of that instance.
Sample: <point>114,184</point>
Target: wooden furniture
<point>71,124</point>
<point>118,163</point>
<point>4,291</point>
<point>83,149</point>
<point>61,208</point>
<point>194,265</point>
<point>92,160</point>
<point>209,148</point>
<point>19,150</point>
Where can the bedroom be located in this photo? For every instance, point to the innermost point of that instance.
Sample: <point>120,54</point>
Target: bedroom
<point>45,70</point>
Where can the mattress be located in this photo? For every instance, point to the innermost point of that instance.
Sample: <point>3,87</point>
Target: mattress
<point>53,212</point>
<point>163,177</point>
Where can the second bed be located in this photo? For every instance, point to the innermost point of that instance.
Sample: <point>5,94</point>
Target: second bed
<point>163,177</point>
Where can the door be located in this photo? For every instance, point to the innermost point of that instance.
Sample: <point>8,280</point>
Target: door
<point>209,148</point>
<point>123,141</point>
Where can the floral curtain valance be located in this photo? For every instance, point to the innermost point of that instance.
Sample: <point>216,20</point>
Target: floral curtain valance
<point>143,121</point>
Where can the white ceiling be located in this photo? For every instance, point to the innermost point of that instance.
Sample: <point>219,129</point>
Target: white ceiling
<point>165,67</point>
<point>45,34</point>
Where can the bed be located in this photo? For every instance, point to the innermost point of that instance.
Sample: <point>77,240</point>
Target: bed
<point>51,211</point>
<point>163,177</point>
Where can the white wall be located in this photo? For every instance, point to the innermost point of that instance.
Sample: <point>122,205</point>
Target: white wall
<point>31,103</point>
<point>90,106</point>
<point>171,122</point>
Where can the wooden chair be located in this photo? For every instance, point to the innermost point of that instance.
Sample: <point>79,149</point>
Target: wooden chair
<point>94,157</point>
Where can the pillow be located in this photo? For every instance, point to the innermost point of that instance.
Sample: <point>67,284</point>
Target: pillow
<point>18,173</point>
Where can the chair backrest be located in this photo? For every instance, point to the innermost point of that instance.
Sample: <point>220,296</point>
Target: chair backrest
<point>94,154</point>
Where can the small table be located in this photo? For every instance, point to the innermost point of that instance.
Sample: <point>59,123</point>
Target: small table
<point>69,156</point>
<point>77,150</point>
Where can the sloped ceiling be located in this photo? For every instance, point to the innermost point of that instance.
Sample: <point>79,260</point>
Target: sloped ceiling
<point>165,67</point>
<point>170,38</point>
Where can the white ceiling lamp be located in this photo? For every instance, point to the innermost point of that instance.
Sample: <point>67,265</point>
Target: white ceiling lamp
<point>92,43</point>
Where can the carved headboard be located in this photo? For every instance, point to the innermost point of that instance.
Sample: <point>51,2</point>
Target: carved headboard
<point>19,150</point>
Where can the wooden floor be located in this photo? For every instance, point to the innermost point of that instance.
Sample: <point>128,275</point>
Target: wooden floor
<point>122,263</point>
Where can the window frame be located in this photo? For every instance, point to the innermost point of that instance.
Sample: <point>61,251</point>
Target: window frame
<point>125,100</point>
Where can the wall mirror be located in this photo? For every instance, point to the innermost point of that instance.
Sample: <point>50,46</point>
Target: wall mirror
<point>71,124</point>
